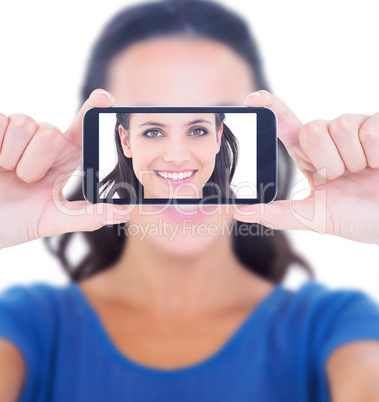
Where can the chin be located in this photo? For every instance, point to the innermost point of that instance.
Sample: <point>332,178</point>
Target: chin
<point>183,236</point>
<point>185,244</point>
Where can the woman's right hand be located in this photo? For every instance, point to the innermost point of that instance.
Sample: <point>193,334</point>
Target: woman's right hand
<point>36,161</point>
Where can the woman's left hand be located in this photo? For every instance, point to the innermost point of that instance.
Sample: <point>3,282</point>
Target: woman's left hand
<point>340,159</point>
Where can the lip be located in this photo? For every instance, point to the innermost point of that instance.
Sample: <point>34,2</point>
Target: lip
<point>176,182</point>
<point>175,171</point>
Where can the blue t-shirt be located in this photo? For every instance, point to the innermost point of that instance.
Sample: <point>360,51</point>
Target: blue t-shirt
<point>279,353</point>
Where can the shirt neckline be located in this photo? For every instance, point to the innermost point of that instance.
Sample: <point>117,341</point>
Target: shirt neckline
<point>259,314</point>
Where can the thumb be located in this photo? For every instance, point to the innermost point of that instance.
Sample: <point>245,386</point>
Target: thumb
<point>78,216</point>
<point>307,214</point>
<point>289,124</point>
<point>98,98</point>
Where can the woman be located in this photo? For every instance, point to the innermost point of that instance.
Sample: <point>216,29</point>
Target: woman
<point>186,158</point>
<point>198,314</point>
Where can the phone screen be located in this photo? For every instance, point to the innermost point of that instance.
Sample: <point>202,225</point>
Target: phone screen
<point>187,154</point>
<point>178,155</point>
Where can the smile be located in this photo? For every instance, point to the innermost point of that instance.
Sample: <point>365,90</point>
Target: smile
<point>175,175</point>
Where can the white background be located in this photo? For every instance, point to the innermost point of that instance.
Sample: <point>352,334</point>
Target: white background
<point>242,125</point>
<point>320,57</point>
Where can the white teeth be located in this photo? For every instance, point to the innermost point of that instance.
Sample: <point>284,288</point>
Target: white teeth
<point>176,176</point>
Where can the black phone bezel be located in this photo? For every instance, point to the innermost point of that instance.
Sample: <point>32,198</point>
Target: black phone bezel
<point>267,154</point>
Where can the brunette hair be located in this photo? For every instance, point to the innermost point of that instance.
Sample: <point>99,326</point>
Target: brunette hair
<point>264,251</point>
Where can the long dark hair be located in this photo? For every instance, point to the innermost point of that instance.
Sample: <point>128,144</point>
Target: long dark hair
<point>123,180</point>
<point>266,252</point>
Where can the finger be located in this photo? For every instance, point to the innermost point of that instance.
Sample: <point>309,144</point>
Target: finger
<point>344,132</point>
<point>288,123</point>
<point>276,215</point>
<point>41,153</point>
<point>98,98</point>
<point>307,214</point>
<point>4,120</point>
<point>369,138</point>
<point>77,216</point>
<point>18,134</point>
<point>321,150</point>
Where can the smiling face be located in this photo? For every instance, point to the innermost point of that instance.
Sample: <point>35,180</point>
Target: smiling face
<point>179,71</point>
<point>173,154</point>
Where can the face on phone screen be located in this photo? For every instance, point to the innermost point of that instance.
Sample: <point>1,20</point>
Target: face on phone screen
<point>193,155</point>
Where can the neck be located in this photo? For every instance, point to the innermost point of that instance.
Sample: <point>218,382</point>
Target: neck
<point>168,284</point>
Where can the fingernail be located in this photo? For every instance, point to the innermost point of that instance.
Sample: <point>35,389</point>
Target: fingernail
<point>107,94</point>
<point>255,94</point>
<point>252,95</point>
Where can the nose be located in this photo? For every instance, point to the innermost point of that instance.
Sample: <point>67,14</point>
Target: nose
<point>177,151</point>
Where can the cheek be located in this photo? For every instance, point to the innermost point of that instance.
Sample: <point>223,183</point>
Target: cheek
<point>143,155</point>
<point>206,154</point>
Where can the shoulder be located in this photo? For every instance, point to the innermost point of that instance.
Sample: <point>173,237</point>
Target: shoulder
<point>37,298</point>
<point>321,330</point>
<point>29,322</point>
<point>343,326</point>
<point>329,319</point>
<point>29,313</point>
<point>315,299</point>
<point>318,319</point>
<point>34,292</point>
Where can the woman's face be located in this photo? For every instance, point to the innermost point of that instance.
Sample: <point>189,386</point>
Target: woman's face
<point>177,71</point>
<point>173,154</point>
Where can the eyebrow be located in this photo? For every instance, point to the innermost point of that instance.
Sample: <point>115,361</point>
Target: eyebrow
<point>189,123</point>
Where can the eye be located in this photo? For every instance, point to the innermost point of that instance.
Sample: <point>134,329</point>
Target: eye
<point>198,132</point>
<point>153,133</point>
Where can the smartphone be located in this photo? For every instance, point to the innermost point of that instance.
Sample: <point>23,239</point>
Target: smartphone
<point>183,155</point>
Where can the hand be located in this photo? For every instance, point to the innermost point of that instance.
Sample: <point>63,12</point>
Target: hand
<point>36,161</point>
<point>340,159</point>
